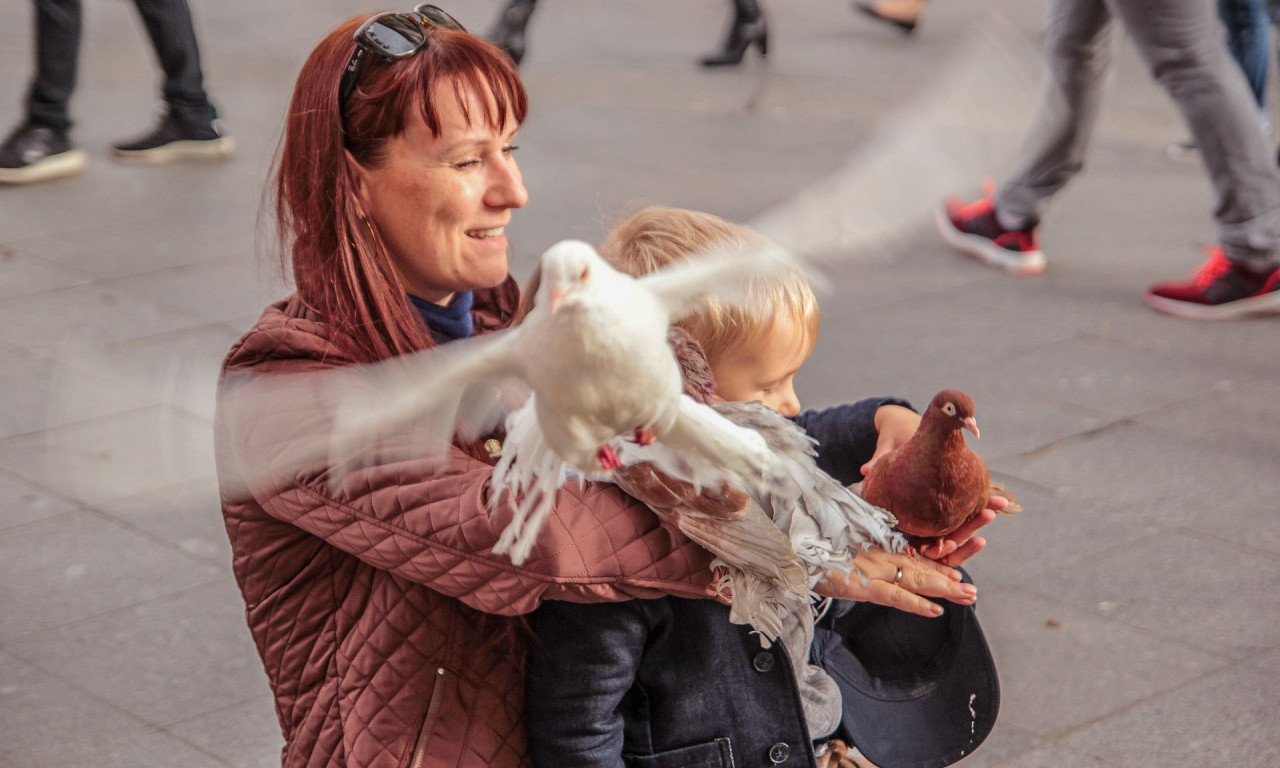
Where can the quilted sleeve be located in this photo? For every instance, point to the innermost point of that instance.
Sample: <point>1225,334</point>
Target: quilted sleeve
<point>428,521</point>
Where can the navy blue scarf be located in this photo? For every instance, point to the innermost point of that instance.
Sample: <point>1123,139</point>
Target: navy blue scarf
<point>449,322</point>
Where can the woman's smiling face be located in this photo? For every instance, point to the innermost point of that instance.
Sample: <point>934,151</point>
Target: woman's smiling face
<point>441,203</point>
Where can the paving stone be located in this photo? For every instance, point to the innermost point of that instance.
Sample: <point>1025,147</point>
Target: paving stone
<point>114,457</point>
<point>188,516</point>
<point>257,741</point>
<point>1062,666</point>
<point>164,660</point>
<point>1226,718</point>
<point>1051,535</point>
<point>83,316</point>
<point>78,564</point>
<point>1178,585</point>
<point>24,503</point>
<point>48,722</point>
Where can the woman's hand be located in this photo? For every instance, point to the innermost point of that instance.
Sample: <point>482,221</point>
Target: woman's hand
<point>899,581</point>
<point>894,426</point>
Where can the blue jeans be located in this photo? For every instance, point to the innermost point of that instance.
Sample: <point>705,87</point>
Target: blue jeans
<point>1249,38</point>
<point>1181,42</point>
<point>168,24</point>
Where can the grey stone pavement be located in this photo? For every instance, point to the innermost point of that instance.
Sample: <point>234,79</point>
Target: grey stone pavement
<point>1132,608</point>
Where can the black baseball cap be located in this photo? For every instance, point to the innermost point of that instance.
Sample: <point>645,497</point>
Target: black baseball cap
<point>917,692</point>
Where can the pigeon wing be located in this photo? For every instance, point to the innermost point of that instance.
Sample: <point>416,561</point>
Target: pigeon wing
<point>682,286</point>
<point>462,387</point>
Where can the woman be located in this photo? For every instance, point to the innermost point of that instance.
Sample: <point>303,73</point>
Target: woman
<point>383,618</point>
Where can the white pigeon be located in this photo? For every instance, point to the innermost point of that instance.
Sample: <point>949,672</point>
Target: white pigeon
<point>593,351</point>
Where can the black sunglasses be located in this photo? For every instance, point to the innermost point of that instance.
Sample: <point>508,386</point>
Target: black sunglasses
<point>392,36</point>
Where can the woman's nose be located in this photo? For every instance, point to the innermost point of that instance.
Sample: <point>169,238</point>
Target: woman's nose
<point>506,188</point>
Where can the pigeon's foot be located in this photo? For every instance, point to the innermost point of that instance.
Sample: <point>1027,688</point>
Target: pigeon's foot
<point>645,436</point>
<point>608,458</point>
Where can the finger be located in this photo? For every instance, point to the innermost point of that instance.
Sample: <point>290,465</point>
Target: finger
<point>997,503</point>
<point>967,550</point>
<point>939,550</point>
<point>934,583</point>
<point>884,593</point>
<point>972,526</point>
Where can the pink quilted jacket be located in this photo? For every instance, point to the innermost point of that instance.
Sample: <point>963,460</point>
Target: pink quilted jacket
<point>387,626</point>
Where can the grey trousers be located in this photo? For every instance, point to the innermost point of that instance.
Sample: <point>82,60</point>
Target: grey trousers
<point>1182,44</point>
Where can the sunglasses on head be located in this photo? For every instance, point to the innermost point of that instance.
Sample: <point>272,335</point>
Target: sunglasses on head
<point>392,36</point>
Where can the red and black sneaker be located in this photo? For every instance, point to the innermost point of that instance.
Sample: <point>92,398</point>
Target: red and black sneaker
<point>1219,290</point>
<point>973,229</point>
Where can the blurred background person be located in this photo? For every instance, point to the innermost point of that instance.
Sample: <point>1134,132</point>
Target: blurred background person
<point>40,147</point>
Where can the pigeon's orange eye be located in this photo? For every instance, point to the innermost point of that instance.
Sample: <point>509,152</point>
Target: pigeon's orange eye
<point>585,272</point>
<point>949,409</point>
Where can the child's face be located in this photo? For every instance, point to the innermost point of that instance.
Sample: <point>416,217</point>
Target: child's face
<point>764,370</point>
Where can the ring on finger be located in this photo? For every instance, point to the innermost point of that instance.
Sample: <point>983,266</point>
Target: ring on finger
<point>897,576</point>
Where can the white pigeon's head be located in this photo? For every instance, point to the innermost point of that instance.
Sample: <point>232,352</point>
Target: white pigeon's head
<point>568,267</point>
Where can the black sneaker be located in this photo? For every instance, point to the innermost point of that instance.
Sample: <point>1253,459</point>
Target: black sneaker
<point>38,153</point>
<point>173,140</point>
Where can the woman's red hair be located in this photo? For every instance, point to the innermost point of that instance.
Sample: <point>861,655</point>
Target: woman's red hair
<point>341,266</point>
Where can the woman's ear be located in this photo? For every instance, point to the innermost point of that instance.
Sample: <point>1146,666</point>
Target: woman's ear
<point>361,178</point>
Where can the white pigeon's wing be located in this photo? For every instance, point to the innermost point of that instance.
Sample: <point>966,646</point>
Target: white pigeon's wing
<point>751,542</point>
<point>458,387</point>
<point>724,273</point>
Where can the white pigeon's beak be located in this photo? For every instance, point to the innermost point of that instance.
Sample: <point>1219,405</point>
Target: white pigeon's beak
<point>971,424</point>
<point>556,297</point>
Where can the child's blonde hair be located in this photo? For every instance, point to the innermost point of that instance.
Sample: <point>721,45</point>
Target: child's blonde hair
<point>657,236</point>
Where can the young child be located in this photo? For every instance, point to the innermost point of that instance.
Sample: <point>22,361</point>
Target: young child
<point>672,681</point>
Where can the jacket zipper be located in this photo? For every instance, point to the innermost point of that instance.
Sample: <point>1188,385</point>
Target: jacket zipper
<point>433,707</point>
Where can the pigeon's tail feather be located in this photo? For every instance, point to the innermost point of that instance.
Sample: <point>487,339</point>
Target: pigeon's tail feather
<point>998,489</point>
<point>753,601</point>
<point>527,477</point>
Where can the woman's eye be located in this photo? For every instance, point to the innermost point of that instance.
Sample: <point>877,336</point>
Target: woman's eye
<point>466,164</point>
<point>509,149</point>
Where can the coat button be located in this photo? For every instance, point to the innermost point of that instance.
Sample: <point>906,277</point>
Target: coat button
<point>492,446</point>
<point>779,752</point>
<point>763,662</point>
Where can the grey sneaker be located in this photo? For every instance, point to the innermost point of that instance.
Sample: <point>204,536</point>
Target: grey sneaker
<point>38,153</point>
<point>174,140</point>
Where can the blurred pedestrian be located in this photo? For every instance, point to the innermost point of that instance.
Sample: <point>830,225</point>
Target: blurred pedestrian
<point>1249,38</point>
<point>508,30</point>
<point>903,14</point>
<point>747,28</point>
<point>40,147</point>
<point>1181,41</point>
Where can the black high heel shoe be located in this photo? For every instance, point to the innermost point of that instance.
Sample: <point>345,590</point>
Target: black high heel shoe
<point>748,29</point>
<point>508,31</point>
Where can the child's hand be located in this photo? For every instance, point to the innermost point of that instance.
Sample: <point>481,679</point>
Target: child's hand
<point>961,544</point>
<point>895,425</point>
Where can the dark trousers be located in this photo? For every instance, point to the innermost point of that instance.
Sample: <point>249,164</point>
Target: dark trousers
<point>168,23</point>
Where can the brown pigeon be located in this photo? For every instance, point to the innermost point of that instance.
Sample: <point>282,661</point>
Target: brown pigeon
<point>934,483</point>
